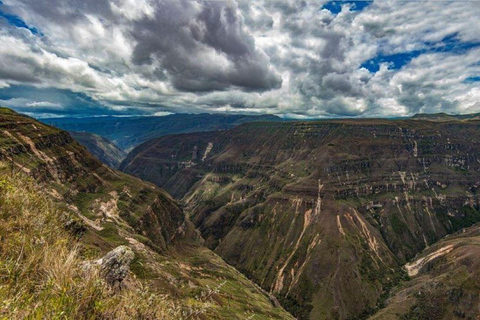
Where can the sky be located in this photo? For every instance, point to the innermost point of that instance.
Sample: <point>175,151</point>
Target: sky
<point>292,58</point>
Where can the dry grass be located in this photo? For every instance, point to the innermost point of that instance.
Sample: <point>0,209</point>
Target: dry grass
<point>41,275</point>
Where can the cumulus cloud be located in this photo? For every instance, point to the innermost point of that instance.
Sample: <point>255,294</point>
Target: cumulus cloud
<point>293,58</point>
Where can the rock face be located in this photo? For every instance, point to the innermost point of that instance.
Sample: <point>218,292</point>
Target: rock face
<point>116,264</point>
<point>103,149</point>
<point>322,214</point>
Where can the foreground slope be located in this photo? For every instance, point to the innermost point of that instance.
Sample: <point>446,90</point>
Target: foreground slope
<point>322,214</point>
<point>112,209</point>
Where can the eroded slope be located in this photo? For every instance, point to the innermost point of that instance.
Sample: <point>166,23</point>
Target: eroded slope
<point>322,214</point>
<point>445,281</point>
<point>103,149</point>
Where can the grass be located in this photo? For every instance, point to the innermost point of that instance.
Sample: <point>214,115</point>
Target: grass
<point>41,274</point>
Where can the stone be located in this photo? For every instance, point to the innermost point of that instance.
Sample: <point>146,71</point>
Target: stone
<point>114,266</point>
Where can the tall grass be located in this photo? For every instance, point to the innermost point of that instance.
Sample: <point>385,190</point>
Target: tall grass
<point>41,274</point>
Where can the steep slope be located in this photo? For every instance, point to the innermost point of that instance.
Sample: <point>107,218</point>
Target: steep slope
<point>322,214</point>
<point>445,281</point>
<point>129,132</point>
<point>103,149</point>
<point>114,209</point>
<point>43,274</point>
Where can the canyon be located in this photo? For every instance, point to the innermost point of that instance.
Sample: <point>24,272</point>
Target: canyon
<point>105,209</point>
<point>323,214</point>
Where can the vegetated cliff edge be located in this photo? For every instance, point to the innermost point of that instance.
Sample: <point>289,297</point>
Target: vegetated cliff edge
<point>111,208</point>
<point>322,214</point>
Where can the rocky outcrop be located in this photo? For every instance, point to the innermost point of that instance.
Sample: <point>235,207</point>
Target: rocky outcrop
<point>115,265</point>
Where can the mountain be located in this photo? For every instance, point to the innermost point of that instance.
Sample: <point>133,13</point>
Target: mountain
<point>109,214</point>
<point>445,117</point>
<point>129,132</point>
<point>105,150</point>
<point>324,215</point>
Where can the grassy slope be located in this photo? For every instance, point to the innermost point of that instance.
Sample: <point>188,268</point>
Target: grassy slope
<point>41,265</point>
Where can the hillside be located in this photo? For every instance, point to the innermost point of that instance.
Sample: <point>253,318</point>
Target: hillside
<point>322,214</point>
<point>103,149</point>
<point>129,132</point>
<point>104,209</point>
<point>445,282</point>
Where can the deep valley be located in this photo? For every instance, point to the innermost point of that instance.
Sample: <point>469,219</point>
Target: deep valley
<point>323,214</point>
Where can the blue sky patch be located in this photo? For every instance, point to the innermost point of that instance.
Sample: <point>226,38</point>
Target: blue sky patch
<point>450,44</point>
<point>16,21</point>
<point>335,7</point>
<point>472,79</point>
<point>395,61</point>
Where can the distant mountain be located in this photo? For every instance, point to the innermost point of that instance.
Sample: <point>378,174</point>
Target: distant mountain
<point>446,117</point>
<point>102,148</point>
<point>129,132</point>
<point>325,214</point>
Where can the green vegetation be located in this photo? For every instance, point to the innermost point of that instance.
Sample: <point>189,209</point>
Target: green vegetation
<point>398,226</point>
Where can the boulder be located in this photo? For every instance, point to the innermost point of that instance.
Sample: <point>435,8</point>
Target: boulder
<point>114,266</point>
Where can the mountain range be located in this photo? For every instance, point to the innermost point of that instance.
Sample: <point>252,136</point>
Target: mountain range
<point>105,209</point>
<point>128,132</point>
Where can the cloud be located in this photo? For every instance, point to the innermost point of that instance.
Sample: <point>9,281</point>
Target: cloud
<point>302,59</point>
<point>202,47</point>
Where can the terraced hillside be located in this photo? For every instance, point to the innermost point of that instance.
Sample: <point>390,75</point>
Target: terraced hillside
<point>107,208</point>
<point>322,214</point>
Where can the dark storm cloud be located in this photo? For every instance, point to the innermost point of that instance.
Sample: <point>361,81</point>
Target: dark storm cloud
<point>198,45</point>
<point>67,12</point>
<point>203,48</point>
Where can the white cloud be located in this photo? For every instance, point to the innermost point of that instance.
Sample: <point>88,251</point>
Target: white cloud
<point>278,57</point>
